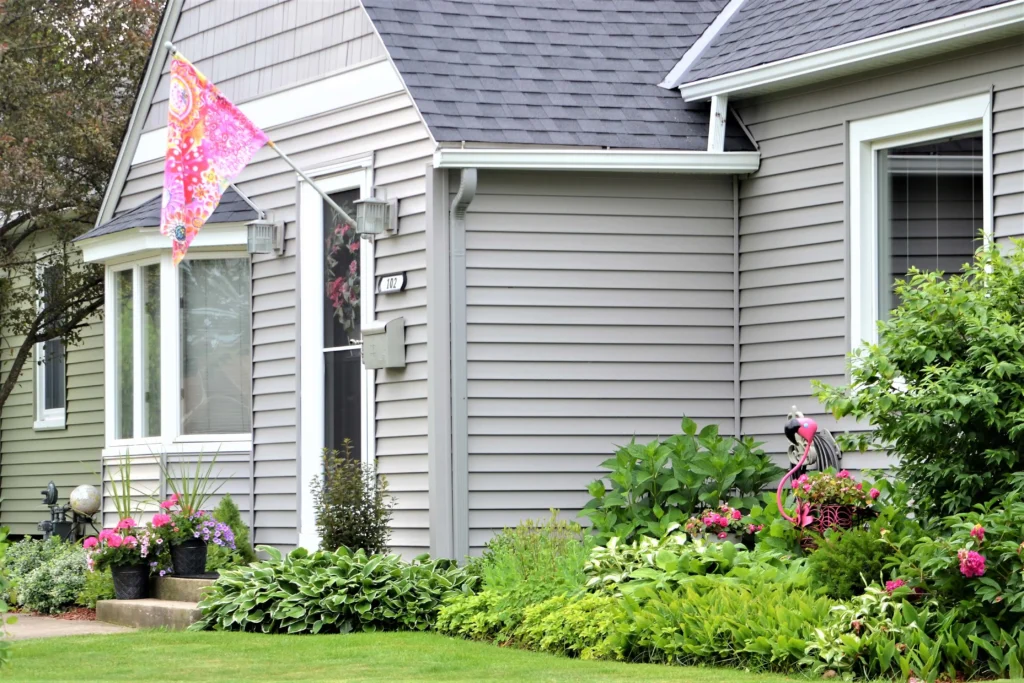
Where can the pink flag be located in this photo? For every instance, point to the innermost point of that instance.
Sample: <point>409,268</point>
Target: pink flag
<point>209,141</point>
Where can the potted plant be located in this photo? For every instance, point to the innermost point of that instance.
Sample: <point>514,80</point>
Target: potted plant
<point>185,525</point>
<point>725,523</point>
<point>126,550</point>
<point>834,500</point>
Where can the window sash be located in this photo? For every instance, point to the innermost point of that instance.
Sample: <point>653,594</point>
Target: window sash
<point>50,367</point>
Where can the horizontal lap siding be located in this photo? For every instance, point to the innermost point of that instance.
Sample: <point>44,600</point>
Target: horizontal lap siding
<point>598,307</point>
<point>793,231</point>
<point>30,459</point>
<point>1008,161</point>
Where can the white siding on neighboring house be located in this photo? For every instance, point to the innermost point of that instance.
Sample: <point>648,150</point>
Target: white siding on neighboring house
<point>793,220</point>
<point>598,307</point>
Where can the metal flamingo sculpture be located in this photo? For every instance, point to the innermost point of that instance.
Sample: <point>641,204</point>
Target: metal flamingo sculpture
<point>805,427</point>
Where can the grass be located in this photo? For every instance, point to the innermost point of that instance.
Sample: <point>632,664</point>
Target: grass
<point>391,657</point>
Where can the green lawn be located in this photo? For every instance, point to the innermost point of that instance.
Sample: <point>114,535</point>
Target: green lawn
<point>391,657</point>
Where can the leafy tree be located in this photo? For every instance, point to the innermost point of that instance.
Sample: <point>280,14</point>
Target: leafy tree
<point>69,71</point>
<point>943,385</point>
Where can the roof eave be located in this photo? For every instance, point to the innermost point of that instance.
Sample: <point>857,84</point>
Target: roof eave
<point>629,160</point>
<point>954,32</point>
<point>132,242</point>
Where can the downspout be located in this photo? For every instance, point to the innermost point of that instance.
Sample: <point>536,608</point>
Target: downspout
<point>736,303</point>
<point>460,379</point>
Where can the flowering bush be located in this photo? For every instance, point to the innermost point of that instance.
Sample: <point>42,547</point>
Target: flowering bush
<point>717,523</point>
<point>834,488</point>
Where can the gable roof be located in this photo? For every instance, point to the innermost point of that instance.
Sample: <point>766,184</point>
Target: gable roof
<point>232,209</point>
<point>550,72</point>
<point>762,32</point>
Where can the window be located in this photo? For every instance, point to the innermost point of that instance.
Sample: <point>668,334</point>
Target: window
<point>179,350</point>
<point>920,197</point>
<point>51,396</point>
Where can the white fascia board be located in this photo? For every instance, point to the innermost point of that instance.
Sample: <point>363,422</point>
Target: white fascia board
<point>633,161</point>
<point>678,72</point>
<point>358,84</point>
<point>136,241</point>
<point>859,55</point>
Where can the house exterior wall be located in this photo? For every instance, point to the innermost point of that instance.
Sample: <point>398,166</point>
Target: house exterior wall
<point>598,307</point>
<point>794,273</point>
<point>30,458</point>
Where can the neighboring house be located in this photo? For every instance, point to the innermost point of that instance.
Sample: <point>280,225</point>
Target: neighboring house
<point>587,255</point>
<point>51,426</point>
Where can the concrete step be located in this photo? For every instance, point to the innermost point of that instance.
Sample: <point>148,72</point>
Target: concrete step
<point>174,615</point>
<point>179,589</point>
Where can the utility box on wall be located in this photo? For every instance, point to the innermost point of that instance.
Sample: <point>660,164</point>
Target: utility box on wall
<point>384,344</point>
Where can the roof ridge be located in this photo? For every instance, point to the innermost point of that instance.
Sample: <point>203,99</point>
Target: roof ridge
<point>678,73</point>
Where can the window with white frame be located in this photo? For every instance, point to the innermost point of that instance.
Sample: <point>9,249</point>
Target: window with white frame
<point>920,197</point>
<point>51,360</point>
<point>179,338</point>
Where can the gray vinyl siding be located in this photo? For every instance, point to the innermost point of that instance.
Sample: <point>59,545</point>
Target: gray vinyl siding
<point>254,47</point>
<point>794,287</point>
<point>598,306</point>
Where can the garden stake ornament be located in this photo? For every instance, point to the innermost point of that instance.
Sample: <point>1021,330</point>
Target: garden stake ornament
<point>806,428</point>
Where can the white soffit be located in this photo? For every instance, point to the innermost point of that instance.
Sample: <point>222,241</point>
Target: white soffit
<point>135,241</point>
<point>639,161</point>
<point>935,37</point>
<point>319,97</point>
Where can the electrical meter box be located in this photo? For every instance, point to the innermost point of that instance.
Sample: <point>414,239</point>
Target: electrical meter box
<point>384,344</point>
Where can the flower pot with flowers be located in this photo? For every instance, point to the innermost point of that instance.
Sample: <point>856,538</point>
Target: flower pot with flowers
<point>183,523</point>
<point>723,524</point>
<point>127,551</point>
<point>833,500</point>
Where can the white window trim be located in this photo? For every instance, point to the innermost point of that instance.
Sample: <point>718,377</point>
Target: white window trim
<point>347,175</point>
<point>170,439</point>
<point>52,418</point>
<point>867,136</point>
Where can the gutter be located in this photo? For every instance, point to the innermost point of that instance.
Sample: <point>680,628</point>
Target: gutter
<point>618,160</point>
<point>917,41</point>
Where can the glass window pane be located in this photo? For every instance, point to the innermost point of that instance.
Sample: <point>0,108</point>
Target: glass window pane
<point>124,364</point>
<point>930,210</point>
<point>216,347</point>
<point>53,374</point>
<point>341,274</point>
<point>343,400</point>
<point>151,350</point>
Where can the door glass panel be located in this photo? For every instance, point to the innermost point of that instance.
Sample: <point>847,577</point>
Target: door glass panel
<point>341,274</point>
<point>124,370</point>
<point>151,349</point>
<point>343,400</point>
<point>930,210</point>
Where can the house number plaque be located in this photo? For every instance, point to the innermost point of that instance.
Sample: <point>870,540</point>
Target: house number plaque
<point>389,284</point>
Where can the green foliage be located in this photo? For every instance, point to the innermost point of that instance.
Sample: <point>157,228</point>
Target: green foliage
<point>661,484</point>
<point>54,584</point>
<point>220,557</point>
<point>775,531</point>
<point>99,585</point>
<point>24,557</point>
<point>942,386</point>
<point>577,626</point>
<point>331,592</point>
<point>191,487</point>
<point>713,621</point>
<point>5,647</point>
<point>846,562</point>
<point>353,508</point>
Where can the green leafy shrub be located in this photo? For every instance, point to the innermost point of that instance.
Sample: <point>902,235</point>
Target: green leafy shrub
<point>846,562</point>
<point>942,386</point>
<point>54,585</point>
<point>5,646</point>
<point>220,557</point>
<point>331,592</point>
<point>353,509</point>
<point>26,555</point>
<point>99,585</point>
<point>711,620</point>
<point>575,626</point>
<point>661,484</point>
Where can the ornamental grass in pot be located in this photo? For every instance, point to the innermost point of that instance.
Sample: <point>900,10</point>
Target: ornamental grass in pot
<point>184,523</point>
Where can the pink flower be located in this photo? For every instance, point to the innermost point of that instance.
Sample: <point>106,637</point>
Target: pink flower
<point>978,532</point>
<point>106,534</point>
<point>843,474</point>
<point>736,514</point>
<point>971,563</point>
<point>114,541</point>
<point>874,493</point>
<point>859,486</point>
<point>807,487</point>
<point>130,540</point>
<point>801,479</point>
<point>90,542</point>
<point>754,528</point>
<point>126,523</point>
<point>168,504</point>
<point>722,534</point>
<point>160,519</point>
<point>891,586</point>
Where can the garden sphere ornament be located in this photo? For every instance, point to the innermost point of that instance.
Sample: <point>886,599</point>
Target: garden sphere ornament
<point>805,428</point>
<point>85,500</point>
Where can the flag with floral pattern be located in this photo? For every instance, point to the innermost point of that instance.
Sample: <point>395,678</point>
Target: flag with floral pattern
<point>209,141</point>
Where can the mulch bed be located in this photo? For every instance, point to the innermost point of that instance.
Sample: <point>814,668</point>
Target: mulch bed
<point>73,614</point>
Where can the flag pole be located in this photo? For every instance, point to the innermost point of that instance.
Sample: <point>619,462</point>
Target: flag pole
<point>334,205</point>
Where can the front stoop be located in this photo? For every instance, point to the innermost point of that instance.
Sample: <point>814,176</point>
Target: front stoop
<point>174,615</point>
<point>178,589</point>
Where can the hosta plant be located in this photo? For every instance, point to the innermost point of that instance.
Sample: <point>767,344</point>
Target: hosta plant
<point>331,592</point>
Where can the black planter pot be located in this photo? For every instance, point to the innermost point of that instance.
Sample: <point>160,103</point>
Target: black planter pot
<point>189,558</point>
<point>131,581</point>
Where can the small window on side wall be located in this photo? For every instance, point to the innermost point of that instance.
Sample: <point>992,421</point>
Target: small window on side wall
<point>51,360</point>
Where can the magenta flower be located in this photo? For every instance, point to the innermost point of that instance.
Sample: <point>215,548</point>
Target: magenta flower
<point>106,534</point>
<point>722,534</point>
<point>90,542</point>
<point>971,563</point>
<point>126,523</point>
<point>736,514</point>
<point>874,493</point>
<point>859,486</point>
<point>891,586</point>
<point>160,519</point>
<point>843,474</point>
<point>130,540</point>
<point>114,541</point>
<point>978,532</point>
<point>168,504</point>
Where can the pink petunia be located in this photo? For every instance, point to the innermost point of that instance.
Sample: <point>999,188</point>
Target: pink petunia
<point>978,532</point>
<point>126,523</point>
<point>874,493</point>
<point>160,519</point>
<point>90,542</point>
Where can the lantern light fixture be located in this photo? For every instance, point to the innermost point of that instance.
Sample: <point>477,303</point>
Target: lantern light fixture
<point>376,216</point>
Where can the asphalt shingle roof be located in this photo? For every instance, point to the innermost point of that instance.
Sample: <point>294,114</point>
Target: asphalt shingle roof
<point>550,72</point>
<point>765,31</point>
<point>232,209</point>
